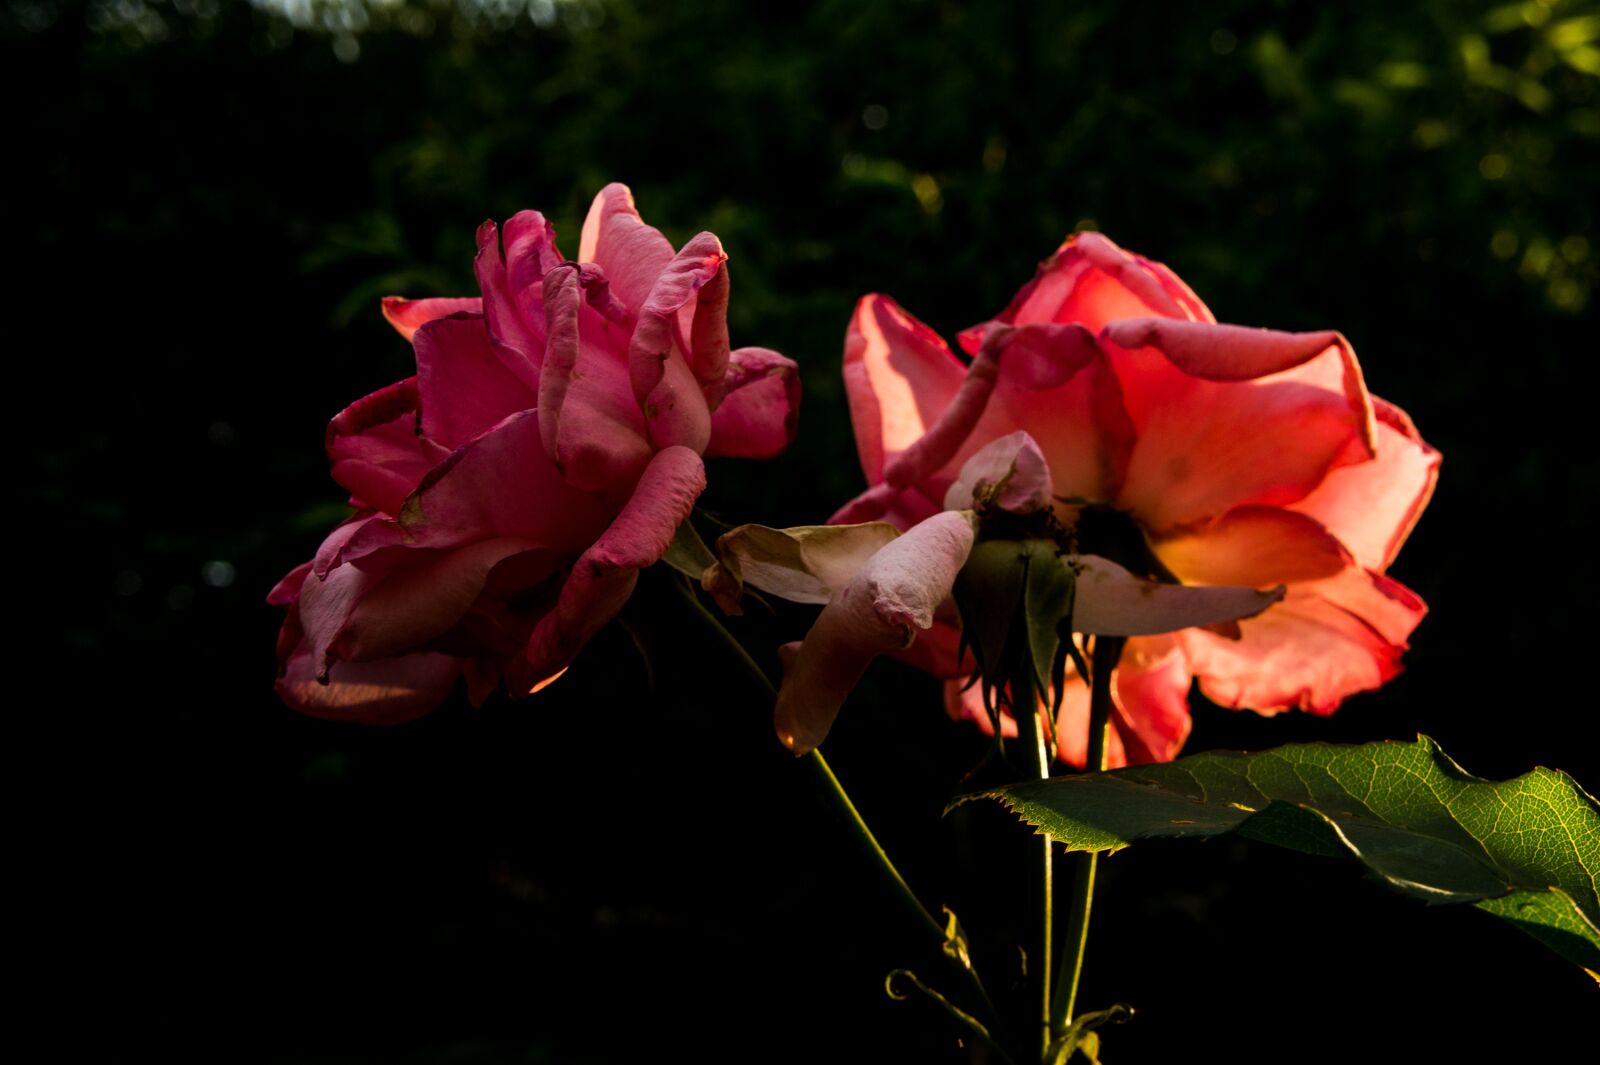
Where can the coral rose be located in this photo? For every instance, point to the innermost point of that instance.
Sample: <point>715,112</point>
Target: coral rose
<point>883,589</point>
<point>546,450</point>
<point>1205,454</point>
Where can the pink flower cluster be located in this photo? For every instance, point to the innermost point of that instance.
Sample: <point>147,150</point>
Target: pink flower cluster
<point>546,450</point>
<point>1232,496</point>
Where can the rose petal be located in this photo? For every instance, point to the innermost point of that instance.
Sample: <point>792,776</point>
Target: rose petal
<point>286,593</point>
<point>1392,609</point>
<point>891,597</point>
<point>375,450</point>
<point>899,377</point>
<point>1111,601</point>
<point>1151,686</point>
<point>1091,281</point>
<point>1211,437</point>
<point>1072,728</point>
<point>944,440</point>
<point>530,253</point>
<point>938,651</point>
<point>592,427</point>
<point>759,407</point>
<point>707,326</point>
<point>664,383</point>
<point>604,576</point>
<point>407,316</point>
<point>1150,707</point>
<point>806,564</point>
<point>1009,473</point>
<point>631,253</point>
<point>385,692</point>
<point>423,598</point>
<point>516,327</point>
<point>1305,652</point>
<point>464,386</point>
<point>327,600</point>
<point>500,485</point>
<point>1372,506</point>
<point>1255,546</point>
<point>1058,384</point>
<point>900,507</point>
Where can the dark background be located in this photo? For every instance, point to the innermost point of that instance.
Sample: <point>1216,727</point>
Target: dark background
<point>210,198</point>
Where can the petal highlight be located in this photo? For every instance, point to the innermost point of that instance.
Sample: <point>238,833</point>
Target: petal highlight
<point>407,316</point>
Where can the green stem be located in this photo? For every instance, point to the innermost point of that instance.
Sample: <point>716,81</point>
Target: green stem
<point>1023,692</point>
<point>828,786</point>
<point>1107,651</point>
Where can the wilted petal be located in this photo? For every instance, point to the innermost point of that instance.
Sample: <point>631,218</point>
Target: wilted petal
<point>806,564</point>
<point>899,377</point>
<point>592,427</point>
<point>1009,473</point>
<point>759,408</point>
<point>1372,506</point>
<point>664,383</point>
<point>1228,416</point>
<point>464,386</point>
<point>604,576</point>
<point>891,597</point>
<point>1111,601</point>
<point>375,449</point>
<point>631,253</point>
<point>407,316</point>
<point>385,692</point>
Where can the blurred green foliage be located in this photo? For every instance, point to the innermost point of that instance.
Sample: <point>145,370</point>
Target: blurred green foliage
<point>1473,110</point>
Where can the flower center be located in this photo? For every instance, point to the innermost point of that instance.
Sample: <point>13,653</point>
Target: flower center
<point>1101,529</point>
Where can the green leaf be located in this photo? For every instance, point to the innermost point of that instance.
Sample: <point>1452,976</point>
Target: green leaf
<point>688,553</point>
<point>1526,850</point>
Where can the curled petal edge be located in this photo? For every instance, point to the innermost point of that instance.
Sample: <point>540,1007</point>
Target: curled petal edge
<point>893,596</point>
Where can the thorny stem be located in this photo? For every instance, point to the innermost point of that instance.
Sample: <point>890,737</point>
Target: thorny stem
<point>827,785</point>
<point>1107,651</point>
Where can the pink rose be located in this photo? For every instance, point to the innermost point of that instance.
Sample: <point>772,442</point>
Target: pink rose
<point>546,450</point>
<point>1217,454</point>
